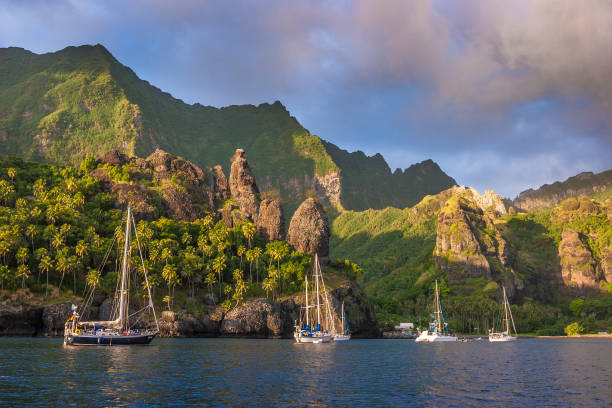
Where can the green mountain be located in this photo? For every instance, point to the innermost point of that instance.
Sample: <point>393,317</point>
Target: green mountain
<point>64,106</point>
<point>556,264</point>
<point>549,195</point>
<point>402,188</point>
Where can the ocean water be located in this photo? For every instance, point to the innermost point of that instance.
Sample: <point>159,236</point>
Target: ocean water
<point>245,372</point>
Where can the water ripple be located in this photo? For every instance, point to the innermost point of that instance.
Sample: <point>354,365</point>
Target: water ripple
<point>224,372</point>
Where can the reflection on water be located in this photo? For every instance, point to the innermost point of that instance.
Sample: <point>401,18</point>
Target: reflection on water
<point>188,372</point>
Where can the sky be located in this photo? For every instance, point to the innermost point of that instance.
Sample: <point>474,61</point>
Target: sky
<point>502,95</point>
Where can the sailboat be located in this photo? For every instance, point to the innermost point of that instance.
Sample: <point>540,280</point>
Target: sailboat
<point>118,331</point>
<point>438,329</point>
<point>345,334</point>
<point>319,333</point>
<point>505,335</point>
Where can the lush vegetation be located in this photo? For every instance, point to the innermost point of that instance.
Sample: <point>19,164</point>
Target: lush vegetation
<point>59,232</point>
<point>395,248</point>
<point>65,106</point>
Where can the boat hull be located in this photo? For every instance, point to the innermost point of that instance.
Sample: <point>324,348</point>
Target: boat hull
<point>427,337</point>
<point>299,338</point>
<point>106,340</point>
<point>342,337</point>
<point>501,338</point>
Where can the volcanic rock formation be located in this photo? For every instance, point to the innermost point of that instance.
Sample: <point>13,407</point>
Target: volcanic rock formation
<point>309,230</point>
<point>243,189</point>
<point>271,223</point>
<point>220,185</point>
<point>577,264</point>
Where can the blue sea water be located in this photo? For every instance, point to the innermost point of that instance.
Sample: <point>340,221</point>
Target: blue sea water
<point>247,372</point>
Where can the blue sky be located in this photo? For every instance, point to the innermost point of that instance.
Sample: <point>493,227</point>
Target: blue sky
<point>503,95</point>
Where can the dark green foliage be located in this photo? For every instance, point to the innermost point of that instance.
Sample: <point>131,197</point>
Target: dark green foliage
<point>396,251</point>
<point>60,225</point>
<point>367,182</point>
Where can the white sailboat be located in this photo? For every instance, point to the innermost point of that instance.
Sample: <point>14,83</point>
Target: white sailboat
<point>505,335</point>
<point>438,329</point>
<point>345,335</point>
<point>321,332</point>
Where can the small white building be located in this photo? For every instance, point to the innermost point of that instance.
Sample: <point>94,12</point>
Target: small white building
<point>405,327</point>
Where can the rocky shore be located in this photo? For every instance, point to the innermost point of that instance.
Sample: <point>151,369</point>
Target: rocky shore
<point>255,318</point>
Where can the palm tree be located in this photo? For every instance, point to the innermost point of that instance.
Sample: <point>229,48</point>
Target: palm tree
<point>250,257</point>
<point>4,274</point>
<point>240,288</point>
<point>62,266</point>
<point>94,278</point>
<point>257,253</point>
<point>240,251</point>
<point>211,279</point>
<point>24,273</point>
<point>57,241</point>
<point>219,266</point>
<point>277,251</point>
<point>171,277</point>
<point>22,255</point>
<point>268,285</point>
<point>45,265</point>
<point>6,191</point>
<point>81,250</point>
<point>31,232</point>
<point>249,230</point>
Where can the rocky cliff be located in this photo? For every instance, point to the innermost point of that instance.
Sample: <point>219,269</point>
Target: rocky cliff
<point>271,222</point>
<point>263,318</point>
<point>184,191</point>
<point>309,230</point>
<point>549,195</point>
<point>243,189</point>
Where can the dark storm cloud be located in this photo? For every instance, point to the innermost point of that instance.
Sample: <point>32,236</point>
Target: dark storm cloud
<point>503,95</point>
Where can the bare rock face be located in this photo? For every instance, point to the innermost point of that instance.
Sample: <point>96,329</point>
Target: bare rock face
<point>220,185</point>
<point>271,223</point>
<point>577,264</point>
<point>115,158</point>
<point>54,317</point>
<point>184,324</point>
<point>488,202</point>
<point>309,230</point>
<point>457,249</point>
<point>243,189</point>
<point>255,318</point>
<point>184,185</point>
<point>21,321</point>
<point>166,165</point>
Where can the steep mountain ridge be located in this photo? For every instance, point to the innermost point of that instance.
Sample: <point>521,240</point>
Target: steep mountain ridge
<point>64,106</point>
<point>402,188</point>
<point>549,195</point>
<point>471,245</point>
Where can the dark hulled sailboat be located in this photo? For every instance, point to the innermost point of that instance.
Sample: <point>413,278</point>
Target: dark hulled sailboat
<point>117,331</point>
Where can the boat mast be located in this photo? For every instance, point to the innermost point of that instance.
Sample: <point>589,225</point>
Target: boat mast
<point>343,317</point>
<point>122,298</point>
<point>438,311</point>
<point>506,311</point>
<point>317,285</point>
<point>307,323</point>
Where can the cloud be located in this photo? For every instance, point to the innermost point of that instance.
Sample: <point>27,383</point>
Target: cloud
<point>480,81</point>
